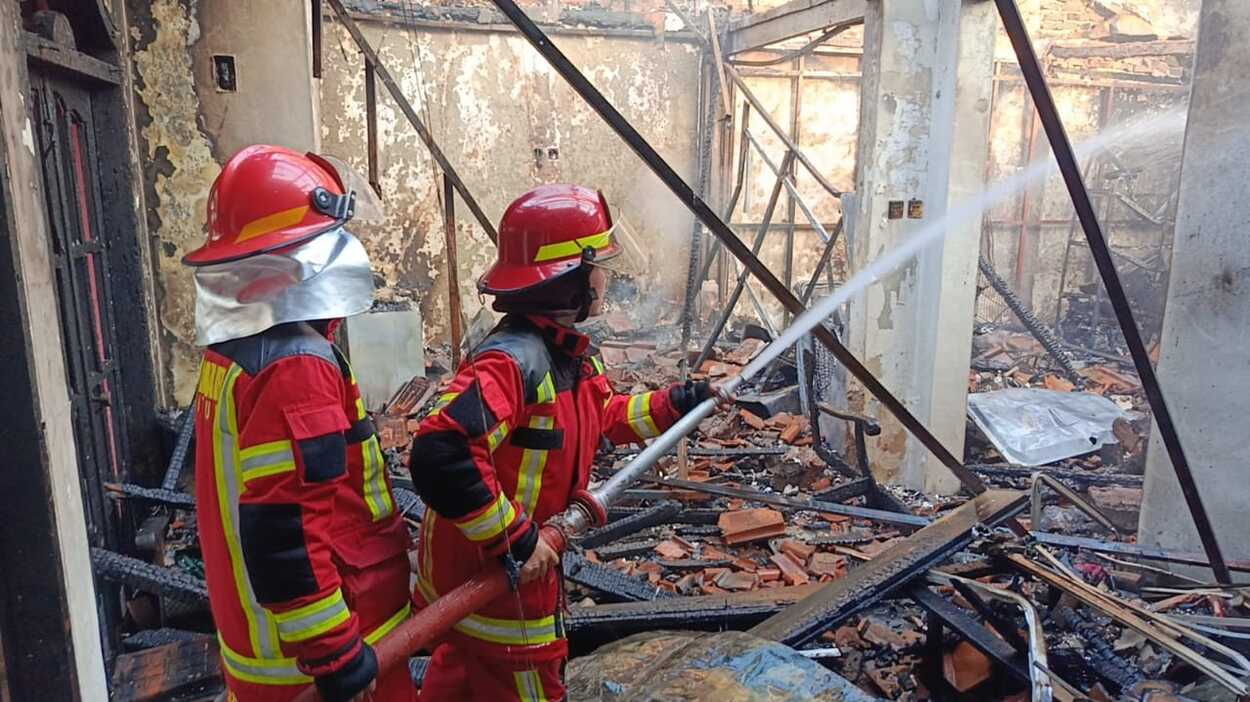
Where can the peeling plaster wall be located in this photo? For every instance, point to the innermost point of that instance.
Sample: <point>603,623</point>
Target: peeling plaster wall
<point>490,100</point>
<point>180,167</point>
<point>187,128</point>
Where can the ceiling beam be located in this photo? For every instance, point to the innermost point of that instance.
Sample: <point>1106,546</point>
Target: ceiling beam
<point>792,19</point>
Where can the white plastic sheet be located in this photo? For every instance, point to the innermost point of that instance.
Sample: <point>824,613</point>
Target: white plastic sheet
<point>1032,427</point>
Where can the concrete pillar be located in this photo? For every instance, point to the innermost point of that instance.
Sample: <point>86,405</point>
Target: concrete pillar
<point>47,600</point>
<point>923,141</point>
<point>1204,366</point>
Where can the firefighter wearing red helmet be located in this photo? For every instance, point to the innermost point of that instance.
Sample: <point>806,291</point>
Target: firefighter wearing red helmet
<point>512,441</point>
<point>304,552</point>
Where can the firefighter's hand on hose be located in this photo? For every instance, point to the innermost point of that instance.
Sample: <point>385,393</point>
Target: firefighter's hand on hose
<point>690,395</point>
<point>353,682</point>
<point>542,560</point>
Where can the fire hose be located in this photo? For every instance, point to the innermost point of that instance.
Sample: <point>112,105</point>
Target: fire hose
<point>430,623</point>
<point>590,509</point>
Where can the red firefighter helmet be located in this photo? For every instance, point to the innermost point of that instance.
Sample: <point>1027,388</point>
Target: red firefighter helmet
<point>548,232</point>
<point>267,198</point>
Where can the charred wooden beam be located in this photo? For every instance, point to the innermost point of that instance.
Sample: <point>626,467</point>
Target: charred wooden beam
<point>62,59</point>
<point>617,586</point>
<point>630,549</point>
<point>141,575</point>
<point>181,670</point>
<point>1184,47</point>
<point>182,449</point>
<point>737,611</point>
<point>1146,552</point>
<point>1069,476</point>
<point>371,127</point>
<point>972,631</point>
<point>864,586</point>
<point>842,493</point>
<point>316,38</point>
<point>791,20</point>
<point>453,269</point>
<point>705,452</point>
<point>173,498</point>
<point>655,515</point>
<point>878,515</point>
<point>693,517</point>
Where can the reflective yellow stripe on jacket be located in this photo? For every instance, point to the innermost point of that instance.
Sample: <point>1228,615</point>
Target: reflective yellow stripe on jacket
<point>638,414</point>
<point>533,462</point>
<point>228,472</point>
<point>263,460</point>
<point>490,523</point>
<point>285,671</point>
<point>529,686</point>
<point>314,619</point>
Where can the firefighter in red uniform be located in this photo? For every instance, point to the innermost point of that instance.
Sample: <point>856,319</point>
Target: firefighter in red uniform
<point>305,554</point>
<point>513,440</point>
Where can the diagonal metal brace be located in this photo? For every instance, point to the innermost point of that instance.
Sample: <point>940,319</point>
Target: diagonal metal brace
<point>542,43</point>
<point>1061,146</point>
<point>371,58</point>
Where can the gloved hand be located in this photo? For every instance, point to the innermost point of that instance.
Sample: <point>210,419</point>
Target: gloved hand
<point>687,397</point>
<point>348,682</point>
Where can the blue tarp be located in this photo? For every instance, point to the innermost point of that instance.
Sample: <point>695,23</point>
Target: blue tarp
<point>722,667</point>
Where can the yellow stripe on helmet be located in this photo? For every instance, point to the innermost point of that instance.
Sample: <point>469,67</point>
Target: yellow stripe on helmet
<point>569,249</point>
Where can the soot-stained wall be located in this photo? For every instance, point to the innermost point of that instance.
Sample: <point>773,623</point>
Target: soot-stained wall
<point>508,122</point>
<point>488,98</point>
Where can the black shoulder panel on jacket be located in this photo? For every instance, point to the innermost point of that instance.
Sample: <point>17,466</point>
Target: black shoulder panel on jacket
<point>525,344</point>
<point>253,353</point>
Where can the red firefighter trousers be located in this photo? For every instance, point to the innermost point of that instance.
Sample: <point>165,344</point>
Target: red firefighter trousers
<point>375,594</point>
<point>455,674</point>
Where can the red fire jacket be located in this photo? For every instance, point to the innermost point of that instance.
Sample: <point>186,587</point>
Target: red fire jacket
<point>503,451</point>
<point>304,552</point>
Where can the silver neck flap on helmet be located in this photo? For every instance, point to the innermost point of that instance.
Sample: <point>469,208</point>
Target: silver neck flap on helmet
<point>327,277</point>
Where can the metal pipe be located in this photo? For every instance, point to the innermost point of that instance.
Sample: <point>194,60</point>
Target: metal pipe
<point>796,106</point>
<point>825,257</point>
<point>760,235</point>
<point>739,182</point>
<point>1044,102</point>
<point>785,139</point>
<point>1041,480</point>
<point>759,309</point>
<point>1040,683</point>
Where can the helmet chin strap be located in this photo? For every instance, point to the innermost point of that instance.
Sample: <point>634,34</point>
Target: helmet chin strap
<point>588,301</point>
<point>589,296</point>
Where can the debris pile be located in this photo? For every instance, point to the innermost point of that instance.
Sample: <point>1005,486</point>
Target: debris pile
<point>759,526</point>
